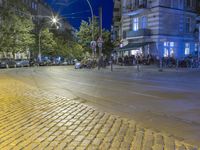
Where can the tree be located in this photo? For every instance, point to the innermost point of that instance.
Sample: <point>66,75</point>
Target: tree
<point>85,36</point>
<point>48,44</point>
<point>16,30</point>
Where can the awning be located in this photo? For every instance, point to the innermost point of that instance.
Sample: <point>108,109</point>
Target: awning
<point>131,46</point>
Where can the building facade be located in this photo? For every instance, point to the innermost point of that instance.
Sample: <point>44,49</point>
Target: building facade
<point>164,28</point>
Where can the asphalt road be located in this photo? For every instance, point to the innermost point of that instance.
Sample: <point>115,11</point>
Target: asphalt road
<point>164,101</point>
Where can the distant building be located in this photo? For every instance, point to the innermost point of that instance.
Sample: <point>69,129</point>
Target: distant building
<point>117,16</point>
<point>164,28</point>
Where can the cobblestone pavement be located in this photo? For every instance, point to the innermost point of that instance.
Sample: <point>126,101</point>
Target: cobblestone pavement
<point>34,119</point>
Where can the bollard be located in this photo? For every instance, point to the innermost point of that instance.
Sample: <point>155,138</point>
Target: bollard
<point>161,69</point>
<point>111,66</point>
<point>177,62</point>
<point>138,67</point>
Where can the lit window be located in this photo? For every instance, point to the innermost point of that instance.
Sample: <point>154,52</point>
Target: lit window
<point>33,5</point>
<point>171,44</point>
<point>135,24</point>
<point>171,52</point>
<point>166,54</point>
<point>169,49</point>
<point>144,22</point>
<point>187,48</point>
<point>1,2</point>
<point>196,47</point>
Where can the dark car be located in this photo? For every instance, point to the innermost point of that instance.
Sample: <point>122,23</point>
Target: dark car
<point>45,62</point>
<point>22,63</point>
<point>7,63</point>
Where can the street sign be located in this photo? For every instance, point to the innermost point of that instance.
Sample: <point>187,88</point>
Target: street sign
<point>100,42</point>
<point>100,45</point>
<point>93,45</point>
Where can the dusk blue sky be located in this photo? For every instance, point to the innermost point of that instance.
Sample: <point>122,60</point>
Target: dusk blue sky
<point>76,10</point>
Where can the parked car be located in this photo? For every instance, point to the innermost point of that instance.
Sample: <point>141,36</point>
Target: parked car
<point>65,63</point>
<point>45,63</point>
<point>78,65</point>
<point>7,63</point>
<point>22,63</point>
<point>55,63</point>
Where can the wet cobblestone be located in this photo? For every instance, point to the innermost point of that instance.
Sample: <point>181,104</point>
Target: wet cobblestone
<point>35,119</point>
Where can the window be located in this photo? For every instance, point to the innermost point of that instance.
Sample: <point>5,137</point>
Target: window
<point>188,24</point>
<point>166,54</point>
<point>169,49</point>
<point>187,48</point>
<point>180,4</point>
<point>135,24</point>
<point>196,47</point>
<point>140,2</point>
<point>33,5</point>
<point>189,3</point>
<point>144,22</point>
<point>1,2</point>
<point>124,34</point>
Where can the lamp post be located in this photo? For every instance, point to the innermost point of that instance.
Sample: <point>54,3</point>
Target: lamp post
<point>54,21</point>
<point>92,14</point>
<point>198,47</point>
<point>93,42</point>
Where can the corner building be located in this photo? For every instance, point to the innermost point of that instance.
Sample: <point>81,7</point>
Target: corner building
<point>164,28</point>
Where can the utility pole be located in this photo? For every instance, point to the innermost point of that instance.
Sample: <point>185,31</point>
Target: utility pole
<point>199,48</point>
<point>100,40</point>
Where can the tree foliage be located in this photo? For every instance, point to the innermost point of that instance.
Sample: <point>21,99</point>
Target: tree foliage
<point>85,36</point>
<point>48,44</point>
<point>16,30</point>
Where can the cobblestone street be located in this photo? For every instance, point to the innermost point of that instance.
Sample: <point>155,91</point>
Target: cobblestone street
<point>34,119</point>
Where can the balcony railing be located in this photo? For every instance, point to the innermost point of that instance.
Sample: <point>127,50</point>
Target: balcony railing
<point>140,32</point>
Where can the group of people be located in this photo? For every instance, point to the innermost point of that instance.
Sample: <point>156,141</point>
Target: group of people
<point>133,60</point>
<point>167,62</point>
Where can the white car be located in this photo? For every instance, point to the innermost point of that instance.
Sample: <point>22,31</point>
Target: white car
<point>77,65</point>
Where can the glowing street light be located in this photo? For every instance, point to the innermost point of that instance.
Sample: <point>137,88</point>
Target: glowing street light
<point>54,21</point>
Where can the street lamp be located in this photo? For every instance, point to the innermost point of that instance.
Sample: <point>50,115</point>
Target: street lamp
<point>54,21</point>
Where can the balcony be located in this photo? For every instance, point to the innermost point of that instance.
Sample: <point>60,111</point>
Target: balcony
<point>134,10</point>
<point>139,33</point>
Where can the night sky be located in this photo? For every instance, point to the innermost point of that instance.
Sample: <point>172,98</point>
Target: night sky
<point>76,10</point>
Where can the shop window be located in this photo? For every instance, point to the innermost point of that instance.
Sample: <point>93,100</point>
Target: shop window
<point>166,54</point>
<point>187,48</point>
<point>169,49</point>
<point>196,47</point>
<point>171,52</point>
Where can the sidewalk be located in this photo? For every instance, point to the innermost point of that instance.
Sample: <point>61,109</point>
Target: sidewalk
<point>35,119</point>
<point>147,68</point>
